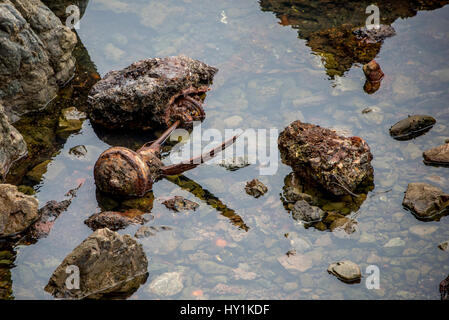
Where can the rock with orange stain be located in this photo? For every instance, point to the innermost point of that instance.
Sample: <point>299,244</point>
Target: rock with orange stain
<point>221,243</point>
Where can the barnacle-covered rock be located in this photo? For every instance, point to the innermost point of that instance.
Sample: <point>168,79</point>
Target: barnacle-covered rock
<point>151,92</point>
<point>336,163</point>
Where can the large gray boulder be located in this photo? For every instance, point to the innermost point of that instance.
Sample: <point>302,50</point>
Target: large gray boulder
<point>12,145</point>
<point>35,55</point>
<point>17,211</point>
<point>109,265</point>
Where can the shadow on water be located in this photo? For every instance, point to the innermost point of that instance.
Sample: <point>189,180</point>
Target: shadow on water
<point>328,26</point>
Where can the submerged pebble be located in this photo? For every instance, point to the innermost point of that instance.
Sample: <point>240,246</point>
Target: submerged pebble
<point>346,271</point>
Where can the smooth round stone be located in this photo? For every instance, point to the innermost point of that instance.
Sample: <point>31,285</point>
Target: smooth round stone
<point>167,284</point>
<point>346,271</point>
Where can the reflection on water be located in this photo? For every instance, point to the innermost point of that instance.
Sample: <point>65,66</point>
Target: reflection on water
<point>267,78</point>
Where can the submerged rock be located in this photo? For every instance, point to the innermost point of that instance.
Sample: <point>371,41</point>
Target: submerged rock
<point>412,127</point>
<point>444,246</point>
<point>178,203</point>
<point>338,164</point>
<point>296,262</point>
<point>109,265</point>
<point>71,119</point>
<point>115,220</point>
<point>12,145</point>
<point>438,155</point>
<point>151,92</point>
<point>305,212</point>
<point>425,201</point>
<point>17,211</point>
<point>36,55</point>
<point>346,271</point>
<point>255,188</point>
<point>376,34</point>
<point>167,284</point>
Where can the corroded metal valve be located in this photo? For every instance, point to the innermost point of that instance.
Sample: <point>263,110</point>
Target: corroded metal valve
<point>123,172</point>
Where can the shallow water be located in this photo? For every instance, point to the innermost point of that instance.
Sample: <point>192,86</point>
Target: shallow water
<point>267,76</point>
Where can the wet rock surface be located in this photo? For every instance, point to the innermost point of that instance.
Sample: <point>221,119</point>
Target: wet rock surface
<point>115,220</point>
<point>426,201</point>
<point>412,127</point>
<point>444,289</point>
<point>36,54</point>
<point>17,211</point>
<point>150,93</point>
<point>305,212</point>
<point>296,262</point>
<point>437,156</point>
<point>12,144</point>
<point>337,164</point>
<point>110,265</point>
<point>178,203</point>
<point>255,188</point>
<point>346,271</point>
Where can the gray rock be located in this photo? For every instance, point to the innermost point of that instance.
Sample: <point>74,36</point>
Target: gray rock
<point>425,201</point>
<point>375,35</point>
<point>150,93</point>
<point>346,271</point>
<point>166,285</point>
<point>109,265</point>
<point>114,220</point>
<point>412,127</point>
<point>12,145</point>
<point>305,212</point>
<point>255,188</point>
<point>395,242</point>
<point>144,232</point>
<point>437,156</point>
<point>17,211</point>
<point>36,55</point>
<point>291,194</point>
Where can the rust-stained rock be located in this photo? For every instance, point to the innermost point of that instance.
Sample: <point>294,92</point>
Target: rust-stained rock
<point>338,164</point>
<point>115,220</point>
<point>151,92</point>
<point>426,201</point>
<point>255,188</point>
<point>109,265</point>
<point>412,127</point>
<point>373,72</point>
<point>178,203</point>
<point>437,156</point>
<point>17,211</point>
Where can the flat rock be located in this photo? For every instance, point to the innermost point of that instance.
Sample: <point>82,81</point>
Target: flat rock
<point>336,163</point>
<point>141,95</point>
<point>17,211</point>
<point>437,156</point>
<point>36,56</point>
<point>255,188</point>
<point>296,262</point>
<point>110,265</point>
<point>412,127</point>
<point>422,230</point>
<point>346,271</point>
<point>395,242</point>
<point>302,210</point>
<point>166,285</point>
<point>425,201</point>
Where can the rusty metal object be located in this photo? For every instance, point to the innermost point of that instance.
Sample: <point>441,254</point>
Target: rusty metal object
<point>123,172</point>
